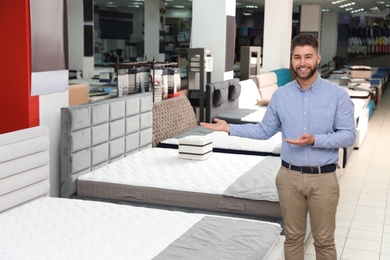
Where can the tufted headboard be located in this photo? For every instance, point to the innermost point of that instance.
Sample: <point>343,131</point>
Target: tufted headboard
<point>24,166</point>
<point>221,97</point>
<point>95,134</point>
<point>172,117</point>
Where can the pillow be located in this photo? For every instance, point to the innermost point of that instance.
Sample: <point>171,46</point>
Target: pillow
<point>219,97</point>
<point>234,92</point>
<point>249,95</point>
<point>267,84</point>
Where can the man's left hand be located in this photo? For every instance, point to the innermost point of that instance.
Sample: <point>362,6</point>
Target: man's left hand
<point>303,140</point>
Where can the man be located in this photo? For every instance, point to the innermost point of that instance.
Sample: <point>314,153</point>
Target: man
<point>316,118</point>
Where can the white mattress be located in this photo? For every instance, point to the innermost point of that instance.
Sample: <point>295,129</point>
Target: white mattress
<point>222,140</point>
<point>255,116</point>
<point>54,228</point>
<point>167,171</point>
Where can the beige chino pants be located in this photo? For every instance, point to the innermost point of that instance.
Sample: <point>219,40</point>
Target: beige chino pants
<point>316,194</point>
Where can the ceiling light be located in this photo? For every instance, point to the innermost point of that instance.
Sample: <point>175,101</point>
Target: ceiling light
<point>246,13</point>
<point>325,10</point>
<point>357,11</point>
<point>346,5</point>
<point>178,6</point>
<point>251,6</point>
<point>338,2</point>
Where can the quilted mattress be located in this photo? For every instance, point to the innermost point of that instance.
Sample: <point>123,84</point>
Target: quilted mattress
<point>54,228</point>
<point>231,182</point>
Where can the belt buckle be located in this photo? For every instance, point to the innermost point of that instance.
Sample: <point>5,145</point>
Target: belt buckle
<point>318,170</point>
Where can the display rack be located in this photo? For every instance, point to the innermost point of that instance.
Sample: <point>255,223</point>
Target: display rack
<point>249,69</point>
<point>149,68</point>
<point>200,62</point>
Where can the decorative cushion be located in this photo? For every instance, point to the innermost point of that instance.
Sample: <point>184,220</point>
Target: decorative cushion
<point>234,92</point>
<point>267,84</point>
<point>219,97</point>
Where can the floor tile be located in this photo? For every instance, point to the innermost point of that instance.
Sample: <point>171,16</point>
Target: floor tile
<point>355,254</point>
<point>363,244</point>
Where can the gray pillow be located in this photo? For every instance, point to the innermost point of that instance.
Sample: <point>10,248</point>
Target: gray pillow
<point>219,97</point>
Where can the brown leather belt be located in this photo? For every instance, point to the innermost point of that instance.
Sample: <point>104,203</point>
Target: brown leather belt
<point>311,169</point>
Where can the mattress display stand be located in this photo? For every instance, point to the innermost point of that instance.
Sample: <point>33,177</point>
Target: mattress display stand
<point>247,69</point>
<point>200,62</point>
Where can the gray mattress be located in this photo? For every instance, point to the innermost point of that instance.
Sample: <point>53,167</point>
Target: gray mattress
<point>232,183</point>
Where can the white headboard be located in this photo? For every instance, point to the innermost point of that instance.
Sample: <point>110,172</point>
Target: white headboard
<point>24,166</point>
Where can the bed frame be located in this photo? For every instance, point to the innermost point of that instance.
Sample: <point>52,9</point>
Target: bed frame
<point>96,134</point>
<point>24,166</point>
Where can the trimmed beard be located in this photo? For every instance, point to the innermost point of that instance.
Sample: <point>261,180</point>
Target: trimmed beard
<point>312,72</point>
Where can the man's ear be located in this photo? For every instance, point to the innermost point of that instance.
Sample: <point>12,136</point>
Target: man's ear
<point>318,59</point>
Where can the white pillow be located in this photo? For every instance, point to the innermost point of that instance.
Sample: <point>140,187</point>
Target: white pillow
<point>249,94</point>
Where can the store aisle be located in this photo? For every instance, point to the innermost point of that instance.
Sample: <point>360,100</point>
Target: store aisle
<point>363,217</point>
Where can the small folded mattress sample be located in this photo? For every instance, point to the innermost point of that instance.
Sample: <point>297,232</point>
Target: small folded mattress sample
<point>243,184</point>
<point>224,143</point>
<point>195,147</point>
<point>56,228</point>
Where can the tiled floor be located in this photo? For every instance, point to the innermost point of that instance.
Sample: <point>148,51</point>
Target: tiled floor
<point>363,217</point>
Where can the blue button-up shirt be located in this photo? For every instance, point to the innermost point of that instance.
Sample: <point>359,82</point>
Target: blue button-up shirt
<point>324,110</point>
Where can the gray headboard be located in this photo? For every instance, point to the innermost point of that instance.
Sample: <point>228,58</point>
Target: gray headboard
<point>24,166</point>
<point>96,134</point>
<point>221,97</point>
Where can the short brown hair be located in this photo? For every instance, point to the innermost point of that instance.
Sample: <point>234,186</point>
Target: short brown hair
<point>304,39</point>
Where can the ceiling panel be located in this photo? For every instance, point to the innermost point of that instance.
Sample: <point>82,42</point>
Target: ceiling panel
<point>371,7</point>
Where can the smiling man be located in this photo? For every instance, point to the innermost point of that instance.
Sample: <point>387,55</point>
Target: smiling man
<point>316,118</point>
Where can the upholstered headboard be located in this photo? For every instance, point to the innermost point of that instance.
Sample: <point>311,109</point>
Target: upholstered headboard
<point>24,166</point>
<point>172,117</point>
<point>221,97</point>
<point>267,83</point>
<point>95,134</point>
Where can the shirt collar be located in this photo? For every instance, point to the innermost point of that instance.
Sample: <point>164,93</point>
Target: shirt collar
<point>313,87</point>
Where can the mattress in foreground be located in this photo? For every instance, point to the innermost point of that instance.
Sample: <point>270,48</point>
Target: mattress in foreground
<point>222,142</point>
<point>54,228</point>
<point>223,182</point>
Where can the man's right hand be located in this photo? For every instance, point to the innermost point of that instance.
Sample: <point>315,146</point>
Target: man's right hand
<point>220,125</point>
